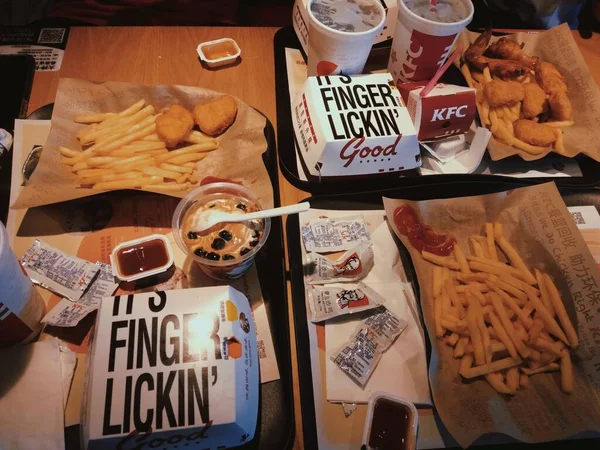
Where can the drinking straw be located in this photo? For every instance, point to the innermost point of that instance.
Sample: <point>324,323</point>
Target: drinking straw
<point>433,3</point>
<point>440,72</point>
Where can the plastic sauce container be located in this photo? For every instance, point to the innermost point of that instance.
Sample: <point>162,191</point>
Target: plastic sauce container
<point>141,258</point>
<point>219,52</point>
<point>391,424</point>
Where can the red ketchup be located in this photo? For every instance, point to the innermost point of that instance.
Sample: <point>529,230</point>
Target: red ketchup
<point>421,236</point>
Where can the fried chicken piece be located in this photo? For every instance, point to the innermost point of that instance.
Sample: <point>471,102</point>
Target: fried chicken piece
<point>560,106</point>
<point>174,125</point>
<point>503,93</point>
<point>502,68</point>
<point>215,117</point>
<point>534,101</point>
<point>549,78</point>
<point>534,133</point>
<point>504,48</point>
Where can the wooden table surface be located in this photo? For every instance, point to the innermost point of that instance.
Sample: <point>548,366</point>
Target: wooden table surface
<point>167,55</point>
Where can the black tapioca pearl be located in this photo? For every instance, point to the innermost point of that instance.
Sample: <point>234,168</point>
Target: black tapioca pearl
<point>218,243</point>
<point>244,250</point>
<point>228,257</point>
<point>255,234</point>
<point>212,206</point>
<point>254,243</point>
<point>225,235</point>
<point>200,252</point>
<point>213,256</point>
<point>192,235</point>
<point>241,206</point>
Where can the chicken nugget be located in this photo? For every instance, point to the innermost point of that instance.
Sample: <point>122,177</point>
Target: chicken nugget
<point>174,125</point>
<point>534,101</point>
<point>503,93</point>
<point>534,133</point>
<point>215,117</point>
<point>560,106</point>
<point>549,78</point>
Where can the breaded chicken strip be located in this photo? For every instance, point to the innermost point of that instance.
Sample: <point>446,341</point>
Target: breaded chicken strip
<point>534,133</point>
<point>549,78</point>
<point>560,106</point>
<point>215,117</point>
<point>503,93</point>
<point>174,125</point>
<point>534,101</point>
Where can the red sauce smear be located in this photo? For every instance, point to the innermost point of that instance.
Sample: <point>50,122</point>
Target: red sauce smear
<point>421,236</point>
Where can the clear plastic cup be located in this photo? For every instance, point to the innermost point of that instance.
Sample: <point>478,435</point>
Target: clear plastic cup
<point>334,52</point>
<point>221,269</point>
<point>421,46</point>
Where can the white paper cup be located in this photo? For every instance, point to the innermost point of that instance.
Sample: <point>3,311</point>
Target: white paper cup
<point>334,52</point>
<point>421,46</point>
<point>21,307</point>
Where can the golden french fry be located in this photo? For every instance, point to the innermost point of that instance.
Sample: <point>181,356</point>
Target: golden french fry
<point>512,304</point>
<point>491,245</point>
<point>475,332</point>
<point>175,168</point>
<point>486,75</point>
<point>512,378</point>
<point>129,111</point>
<point>439,331</point>
<point>498,384</point>
<point>544,292</point>
<point>561,312</point>
<point>495,366</point>
<point>152,138</point>
<point>543,345</point>
<point>508,326</point>
<point>459,348</point>
<point>144,146</point>
<point>451,339</point>
<point>443,261</point>
<point>505,268</point>
<point>551,324</point>
<point>559,144</point>
<point>197,137</point>
<point>535,330</point>
<point>111,177</point>
<point>186,158</point>
<point>449,323</point>
<point>560,124</point>
<point>437,281</point>
<point>523,381</point>
<point>93,172</point>
<point>502,335</point>
<point>189,164</point>
<point>92,118</point>
<point>151,170</point>
<point>465,364</point>
<point>513,256</point>
<point>477,250</point>
<point>67,152</point>
<point>552,367</point>
<point>133,165</point>
<point>80,166</point>
<point>167,187</point>
<point>520,296</point>
<point>121,152</point>
<point>127,184</point>
<point>460,257</point>
<point>495,122</point>
<point>451,292</point>
<point>566,372</point>
<point>98,161</point>
<point>116,124</point>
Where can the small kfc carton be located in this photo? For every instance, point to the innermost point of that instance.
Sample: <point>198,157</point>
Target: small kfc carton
<point>346,126</point>
<point>447,110</point>
<point>172,369</point>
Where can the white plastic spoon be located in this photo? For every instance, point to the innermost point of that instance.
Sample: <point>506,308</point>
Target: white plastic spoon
<point>209,218</point>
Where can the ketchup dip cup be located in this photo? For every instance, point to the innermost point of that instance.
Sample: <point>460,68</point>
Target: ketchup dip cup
<point>222,269</point>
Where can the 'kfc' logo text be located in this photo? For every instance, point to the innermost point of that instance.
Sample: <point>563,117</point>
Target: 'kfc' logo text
<point>424,55</point>
<point>447,113</point>
<point>354,148</point>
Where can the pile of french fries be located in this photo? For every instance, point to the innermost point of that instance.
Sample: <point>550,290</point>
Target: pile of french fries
<point>500,120</point>
<point>504,322</point>
<point>122,151</point>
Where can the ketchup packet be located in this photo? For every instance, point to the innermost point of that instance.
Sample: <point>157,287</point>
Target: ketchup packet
<point>359,357</point>
<point>58,272</point>
<point>353,265</point>
<point>326,302</point>
<point>333,235</point>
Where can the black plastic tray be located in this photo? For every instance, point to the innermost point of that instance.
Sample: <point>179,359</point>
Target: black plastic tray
<point>286,38</point>
<point>373,201</point>
<point>275,429</point>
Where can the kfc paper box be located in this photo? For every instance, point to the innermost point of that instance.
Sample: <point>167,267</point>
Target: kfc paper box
<point>447,110</point>
<point>171,369</point>
<point>300,21</point>
<point>348,126</point>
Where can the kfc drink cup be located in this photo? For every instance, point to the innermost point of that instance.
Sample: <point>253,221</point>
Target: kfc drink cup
<point>21,307</point>
<point>225,251</point>
<point>333,51</point>
<point>421,45</point>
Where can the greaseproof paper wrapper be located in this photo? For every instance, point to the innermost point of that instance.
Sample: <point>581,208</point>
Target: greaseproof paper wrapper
<point>558,47</point>
<point>238,157</point>
<point>537,222</point>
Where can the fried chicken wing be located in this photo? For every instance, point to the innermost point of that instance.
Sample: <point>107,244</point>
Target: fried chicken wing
<point>503,93</point>
<point>560,106</point>
<point>549,78</point>
<point>174,125</point>
<point>534,133</point>
<point>534,101</point>
<point>504,48</point>
<point>215,117</point>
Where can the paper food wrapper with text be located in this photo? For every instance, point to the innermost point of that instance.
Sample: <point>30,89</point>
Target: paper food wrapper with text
<point>558,47</point>
<point>447,110</point>
<point>237,158</point>
<point>540,227</point>
<point>172,368</point>
<point>348,126</point>
<point>300,21</point>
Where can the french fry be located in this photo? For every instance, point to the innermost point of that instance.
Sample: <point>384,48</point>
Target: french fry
<point>456,327</point>
<point>80,166</point>
<point>495,366</point>
<point>121,152</point>
<point>127,184</point>
<point>513,256</point>
<point>535,330</point>
<point>498,384</point>
<point>190,149</point>
<point>560,124</point>
<point>475,332</point>
<point>566,372</point>
<point>561,312</point>
<point>152,138</point>
<point>439,331</point>
<point>437,281</point>
<point>508,326</point>
<point>486,75</point>
<point>92,118</point>
<point>67,152</point>
<point>175,168</point>
<point>503,335</point>
<point>443,261</point>
<point>519,295</point>
<point>142,146</point>
<point>460,257</point>
<point>512,379</point>
<point>111,177</point>
<point>189,164</point>
<point>504,268</point>
<point>151,170</point>
<point>185,158</point>
<point>552,367</point>
<point>451,292</point>
<point>559,144</point>
<point>93,172</point>
<point>544,292</point>
<point>477,250</point>
<point>197,137</point>
<point>167,187</point>
<point>130,137</point>
<point>548,320</point>
<point>98,161</point>
<point>491,246</point>
<point>465,364</point>
<point>451,339</point>
<point>523,381</point>
<point>459,348</point>
<point>512,304</point>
